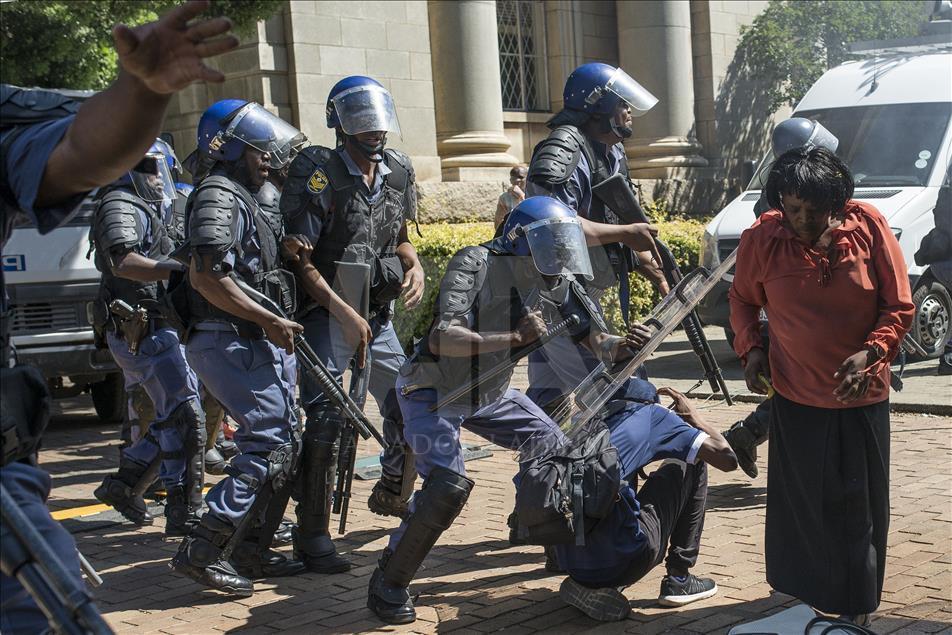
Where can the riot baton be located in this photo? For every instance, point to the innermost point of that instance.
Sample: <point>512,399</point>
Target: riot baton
<point>554,332</point>
<point>27,556</point>
<point>316,370</point>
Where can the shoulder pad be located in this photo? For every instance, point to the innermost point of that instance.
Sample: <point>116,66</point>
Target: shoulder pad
<point>555,157</point>
<point>213,215</point>
<point>461,283</point>
<point>269,202</point>
<point>306,179</point>
<point>402,173</point>
<point>117,223</point>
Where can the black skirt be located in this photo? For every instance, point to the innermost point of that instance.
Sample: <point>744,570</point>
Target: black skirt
<point>828,504</point>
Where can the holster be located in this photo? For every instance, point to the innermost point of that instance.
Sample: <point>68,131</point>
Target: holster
<point>133,331</point>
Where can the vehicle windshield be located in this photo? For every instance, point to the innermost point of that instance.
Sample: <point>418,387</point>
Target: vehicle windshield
<point>893,145</point>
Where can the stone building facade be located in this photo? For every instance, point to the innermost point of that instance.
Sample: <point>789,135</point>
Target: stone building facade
<point>475,80</point>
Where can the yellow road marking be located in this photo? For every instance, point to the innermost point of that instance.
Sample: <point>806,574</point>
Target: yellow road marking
<point>91,510</point>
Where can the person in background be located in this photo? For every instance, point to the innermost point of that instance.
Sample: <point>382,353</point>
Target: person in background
<point>832,277</point>
<point>512,196</point>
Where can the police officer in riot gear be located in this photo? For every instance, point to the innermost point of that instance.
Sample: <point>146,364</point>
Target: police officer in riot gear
<point>797,132</point>
<point>132,251</point>
<point>53,153</point>
<point>494,298</point>
<point>583,149</point>
<point>353,202</point>
<point>242,353</point>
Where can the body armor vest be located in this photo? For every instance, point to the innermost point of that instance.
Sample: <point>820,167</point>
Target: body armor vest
<point>496,306</point>
<point>356,230</point>
<point>269,279</point>
<point>113,287</point>
<point>617,256</point>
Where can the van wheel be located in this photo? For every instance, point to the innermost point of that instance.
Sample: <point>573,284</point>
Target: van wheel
<point>109,398</point>
<point>930,324</point>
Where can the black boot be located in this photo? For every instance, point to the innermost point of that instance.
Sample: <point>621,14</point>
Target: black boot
<point>214,462</point>
<point>284,535</point>
<point>390,602</point>
<point>312,540</point>
<point>123,491</point>
<point>180,518</point>
<point>227,448</point>
<point>252,562</point>
<point>744,445</point>
<point>199,558</point>
<point>437,505</point>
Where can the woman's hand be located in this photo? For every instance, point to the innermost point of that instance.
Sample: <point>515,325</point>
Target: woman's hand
<point>757,364</point>
<point>853,376</point>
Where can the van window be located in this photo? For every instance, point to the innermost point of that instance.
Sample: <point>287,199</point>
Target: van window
<point>893,145</point>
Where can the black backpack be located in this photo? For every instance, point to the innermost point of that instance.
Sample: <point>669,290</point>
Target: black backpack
<point>565,490</point>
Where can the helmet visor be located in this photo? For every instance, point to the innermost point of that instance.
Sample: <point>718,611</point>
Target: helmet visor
<point>633,93</point>
<point>366,109</point>
<point>558,247</point>
<point>152,179</point>
<point>822,138</point>
<point>263,131</point>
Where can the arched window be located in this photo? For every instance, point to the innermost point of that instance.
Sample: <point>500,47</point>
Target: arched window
<point>522,62</point>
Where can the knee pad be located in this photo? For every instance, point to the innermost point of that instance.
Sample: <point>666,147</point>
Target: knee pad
<point>442,498</point>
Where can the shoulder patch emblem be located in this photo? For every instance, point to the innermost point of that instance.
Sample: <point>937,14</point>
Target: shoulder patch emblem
<point>317,182</point>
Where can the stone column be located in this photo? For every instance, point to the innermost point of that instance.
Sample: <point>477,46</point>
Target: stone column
<point>467,86</point>
<point>654,47</point>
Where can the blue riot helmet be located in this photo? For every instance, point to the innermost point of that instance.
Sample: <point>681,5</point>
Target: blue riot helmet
<point>597,88</point>
<point>359,104</point>
<point>798,132</point>
<point>549,231</point>
<point>151,178</point>
<point>227,126</point>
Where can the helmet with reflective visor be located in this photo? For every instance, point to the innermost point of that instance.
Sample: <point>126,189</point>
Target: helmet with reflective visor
<point>798,132</point>
<point>359,104</point>
<point>230,124</point>
<point>151,178</point>
<point>551,233</point>
<point>596,89</point>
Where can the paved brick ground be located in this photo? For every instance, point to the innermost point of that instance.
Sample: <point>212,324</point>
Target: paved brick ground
<point>473,582</point>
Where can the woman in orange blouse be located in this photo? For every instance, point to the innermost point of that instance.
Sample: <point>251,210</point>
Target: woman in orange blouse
<point>831,276</point>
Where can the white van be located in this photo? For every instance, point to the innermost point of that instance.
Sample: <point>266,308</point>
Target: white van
<point>50,281</point>
<point>891,114</point>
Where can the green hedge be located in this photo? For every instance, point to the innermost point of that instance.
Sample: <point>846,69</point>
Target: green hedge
<point>440,242</point>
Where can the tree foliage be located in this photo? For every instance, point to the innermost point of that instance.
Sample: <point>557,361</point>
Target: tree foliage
<point>68,43</point>
<point>794,42</point>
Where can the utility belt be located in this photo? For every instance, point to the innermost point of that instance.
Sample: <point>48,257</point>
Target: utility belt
<point>241,328</point>
<point>277,284</point>
<point>381,313</point>
<point>417,378</point>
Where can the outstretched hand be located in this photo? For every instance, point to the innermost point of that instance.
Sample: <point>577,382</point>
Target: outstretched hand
<point>166,55</point>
